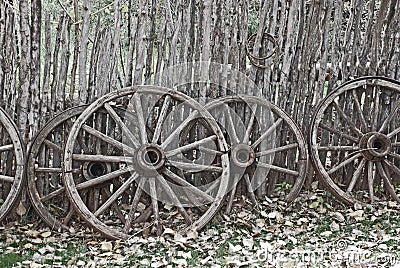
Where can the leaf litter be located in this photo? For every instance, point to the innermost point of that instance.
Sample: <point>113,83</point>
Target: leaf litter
<point>305,234</point>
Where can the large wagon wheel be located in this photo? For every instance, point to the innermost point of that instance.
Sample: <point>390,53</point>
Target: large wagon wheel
<point>267,148</point>
<point>11,164</point>
<point>354,140</point>
<point>151,184</point>
<point>45,180</point>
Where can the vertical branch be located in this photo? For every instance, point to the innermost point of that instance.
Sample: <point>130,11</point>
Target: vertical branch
<point>150,39</point>
<point>24,71</point>
<point>34,118</point>
<point>83,86</point>
<point>75,57</point>
<point>46,70</point>
<point>54,82</point>
<point>65,55</point>
<point>115,46</point>
<point>141,42</point>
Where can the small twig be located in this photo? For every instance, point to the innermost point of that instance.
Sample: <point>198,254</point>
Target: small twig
<point>98,11</point>
<point>10,5</point>
<point>65,10</point>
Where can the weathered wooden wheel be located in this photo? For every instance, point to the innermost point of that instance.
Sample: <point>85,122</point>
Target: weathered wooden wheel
<point>267,148</point>
<point>11,164</point>
<point>269,47</point>
<point>45,180</point>
<point>354,140</point>
<point>144,180</point>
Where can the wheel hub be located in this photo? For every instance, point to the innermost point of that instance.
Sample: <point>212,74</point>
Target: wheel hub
<point>243,155</point>
<point>150,158</point>
<point>93,169</point>
<point>375,145</point>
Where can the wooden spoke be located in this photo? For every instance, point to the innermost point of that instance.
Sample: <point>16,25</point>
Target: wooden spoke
<point>108,139</point>
<point>210,151</point>
<point>114,205</point>
<point>250,189</point>
<point>53,146</point>
<point>122,125</point>
<point>393,133</point>
<point>68,217</point>
<point>190,187</point>
<point>90,183</point>
<point>375,114</point>
<point>135,202</point>
<point>7,178</point>
<point>339,148</point>
<point>253,110</point>
<point>385,123</point>
<point>371,178</point>
<point>232,194</point>
<point>48,170</point>
<point>141,121</point>
<point>104,178</point>
<point>347,119</point>
<point>267,132</point>
<point>279,169</point>
<point>173,136</point>
<point>277,149</point>
<point>359,111</point>
<point>392,167</point>
<point>174,198</point>
<point>337,132</point>
<point>394,155</point>
<point>102,158</point>
<point>154,202</point>
<point>116,194</point>
<point>7,147</point>
<point>161,118</point>
<point>344,163</point>
<point>190,167</point>
<point>190,146</point>
<point>232,128</point>
<point>356,175</point>
<point>384,174</point>
<point>53,170</point>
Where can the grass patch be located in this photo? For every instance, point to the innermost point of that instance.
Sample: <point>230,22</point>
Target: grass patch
<point>12,259</point>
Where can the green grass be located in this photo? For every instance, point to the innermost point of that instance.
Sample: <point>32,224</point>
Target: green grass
<point>12,259</point>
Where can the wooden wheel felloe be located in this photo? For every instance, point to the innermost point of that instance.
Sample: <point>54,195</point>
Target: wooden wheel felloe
<point>141,177</point>
<point>267,40</point>
<point>354,140</point>
<point>11,164</point>
<point>267,148</point>
<point>45,180</point>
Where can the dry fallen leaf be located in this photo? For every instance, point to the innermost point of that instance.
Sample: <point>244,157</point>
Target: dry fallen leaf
<point>45,234</point>
<point>106,246</point>
<point>20,210</point>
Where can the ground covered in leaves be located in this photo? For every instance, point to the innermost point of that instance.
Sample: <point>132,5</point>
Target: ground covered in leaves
<point>315,231</point>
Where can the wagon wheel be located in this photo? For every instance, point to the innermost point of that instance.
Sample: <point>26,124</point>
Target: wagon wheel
<point>354,140</point>
<point>267,149</point>
<point>151,185</point>
<point>45,182</point>
<point>269,51</point>
<point>11,164</point>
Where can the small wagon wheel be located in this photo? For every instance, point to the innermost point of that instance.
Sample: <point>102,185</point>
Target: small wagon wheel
<point>11,164</point>
<point>354,140</point>
<point>267,147</point>
<point>152,183</point>
<point>255,60</point>
<point>44,169</point>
